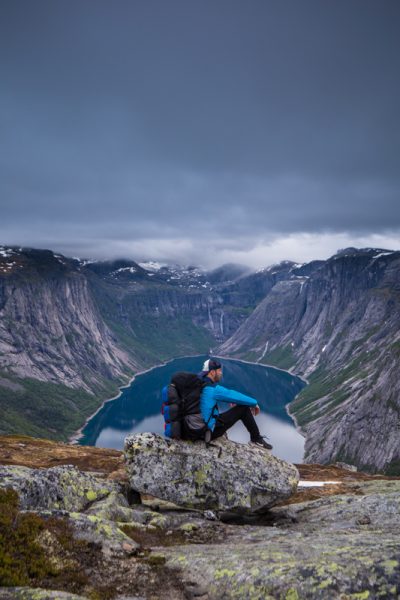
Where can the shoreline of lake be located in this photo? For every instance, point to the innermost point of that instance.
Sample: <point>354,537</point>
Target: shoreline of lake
<point>297,426</point>
<point>75,437</point>
<point>248,362</point>
<point>78,434</point>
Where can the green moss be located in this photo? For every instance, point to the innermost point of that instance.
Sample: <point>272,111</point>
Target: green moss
<point>182,559</point>
<point>189,527</point>
<point>291,594</point>
<point>158,521</point>
<point>390,566</point>
<point>200,477</point>
<point>156,558</point>
<point>91,495</point>
<point>21,559</point>
<point>221,573</point>
<point>43,553</point>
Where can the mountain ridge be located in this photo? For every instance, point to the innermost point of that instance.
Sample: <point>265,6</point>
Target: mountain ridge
<point>340,328</point>
<point>334,322</point>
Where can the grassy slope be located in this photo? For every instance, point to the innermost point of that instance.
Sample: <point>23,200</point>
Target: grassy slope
<point>281,357</point>
<point>57,411</point>
<point>48,410</point>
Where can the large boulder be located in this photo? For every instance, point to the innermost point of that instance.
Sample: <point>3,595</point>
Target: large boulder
<point>226,476</point>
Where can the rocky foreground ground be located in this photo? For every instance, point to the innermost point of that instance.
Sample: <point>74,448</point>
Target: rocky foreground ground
<point>70,521</point>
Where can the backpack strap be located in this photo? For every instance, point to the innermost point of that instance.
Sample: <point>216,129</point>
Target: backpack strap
<point>207,439</point>
<point>207,436</point>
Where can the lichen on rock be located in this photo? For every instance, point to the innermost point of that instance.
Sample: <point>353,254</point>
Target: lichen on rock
<point>62,487</point>
<point>102,547</point>
<point>29,593</point>
<point>224,476</point>
<point>317,550</point>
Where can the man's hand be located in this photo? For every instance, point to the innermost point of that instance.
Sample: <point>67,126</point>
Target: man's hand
<point>255,410</point>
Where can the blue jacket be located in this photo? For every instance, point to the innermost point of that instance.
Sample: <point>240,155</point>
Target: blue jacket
<point>213,393</point>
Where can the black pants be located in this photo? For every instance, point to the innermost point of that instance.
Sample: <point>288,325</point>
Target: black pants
<point>238,413</point>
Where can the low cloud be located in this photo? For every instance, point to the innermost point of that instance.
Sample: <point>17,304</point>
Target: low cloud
<point>210,253</point>
<point>200,132</point>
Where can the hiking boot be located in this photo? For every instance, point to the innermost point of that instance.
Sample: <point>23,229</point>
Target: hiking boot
<point>261,441</point>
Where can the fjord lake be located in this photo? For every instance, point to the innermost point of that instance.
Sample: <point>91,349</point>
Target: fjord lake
<point>138,407</point>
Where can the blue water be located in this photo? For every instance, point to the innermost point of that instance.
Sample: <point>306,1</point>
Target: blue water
<point>137,409</point>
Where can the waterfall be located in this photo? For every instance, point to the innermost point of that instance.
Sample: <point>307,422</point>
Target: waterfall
<point>209,316</point>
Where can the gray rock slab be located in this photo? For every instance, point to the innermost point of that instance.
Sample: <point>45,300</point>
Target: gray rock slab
<point>344,547</point>
<point>225,476</point>
<point>295,566</point>
<point>377,508</point>
<point>30,593</point>
<point>62,487</point>
<point>91,528</point>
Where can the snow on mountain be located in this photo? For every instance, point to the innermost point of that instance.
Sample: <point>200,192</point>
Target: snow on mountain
<point>130,269</point>
<point>13,254</point>
<point>84,261</point>
<point>6,252</point>
<point>152,265</point>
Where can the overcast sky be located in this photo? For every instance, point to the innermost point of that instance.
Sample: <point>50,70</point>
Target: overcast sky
<point>200,131</point>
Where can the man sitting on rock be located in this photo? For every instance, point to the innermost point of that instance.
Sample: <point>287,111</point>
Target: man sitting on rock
<point>244,409</point>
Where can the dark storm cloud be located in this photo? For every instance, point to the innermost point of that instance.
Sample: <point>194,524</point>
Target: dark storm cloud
<point>136,120</point>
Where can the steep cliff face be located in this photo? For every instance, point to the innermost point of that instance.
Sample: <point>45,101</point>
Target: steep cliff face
<point>339,326</point>
<point>73,322</point>
<point>51,330</point>
<point>72,330</point>
<point>165,311</point>
<point>154,314</point>
<point>214,304</point>
<point>58,358</point>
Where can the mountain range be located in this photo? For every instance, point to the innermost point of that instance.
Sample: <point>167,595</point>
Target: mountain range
<point>73,330</point>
